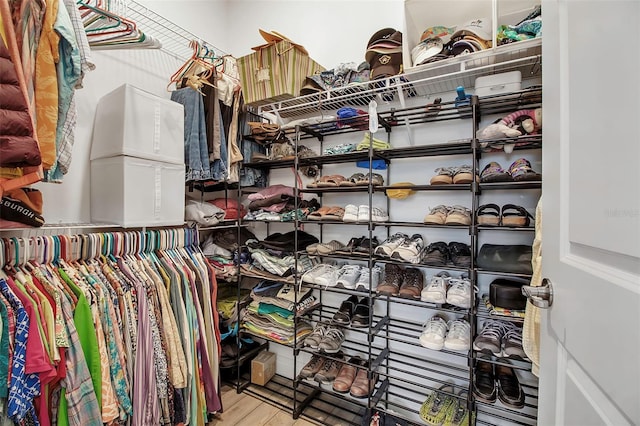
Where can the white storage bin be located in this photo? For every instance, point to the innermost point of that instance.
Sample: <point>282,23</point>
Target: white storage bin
<point>133,192</point>
<point>132,122</point>
<point>497,84</point>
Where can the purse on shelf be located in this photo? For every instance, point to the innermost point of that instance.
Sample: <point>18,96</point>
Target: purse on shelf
<point>264,132</point>
<point>507,294</point>
<point>510,258</point>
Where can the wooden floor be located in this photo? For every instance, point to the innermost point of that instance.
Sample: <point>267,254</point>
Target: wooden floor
<point>246,410</point>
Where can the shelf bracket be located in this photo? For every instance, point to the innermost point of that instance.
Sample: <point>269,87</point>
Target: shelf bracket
<point>378,395</point>
<point>376,362</point>
<point>375,330</point>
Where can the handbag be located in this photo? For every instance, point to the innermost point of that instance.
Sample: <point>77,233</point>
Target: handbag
<point>511,258</point>
<point>507,294</point>
<point>264,132</point>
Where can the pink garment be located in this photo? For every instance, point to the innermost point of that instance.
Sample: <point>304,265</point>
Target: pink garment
<point>270,191</point>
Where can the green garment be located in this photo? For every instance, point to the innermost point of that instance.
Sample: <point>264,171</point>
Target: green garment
<point>4,352</point>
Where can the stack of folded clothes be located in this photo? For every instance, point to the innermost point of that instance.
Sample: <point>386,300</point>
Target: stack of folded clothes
<point>272,312</point>
<point>222,253</point>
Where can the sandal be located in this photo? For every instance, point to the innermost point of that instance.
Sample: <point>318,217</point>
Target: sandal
<point>330,181</point>
<point>353,180</point>
<point>376,180</point>
<point>443,176</point>
<point>488,215</point>
<point>463,174</point>
<point>334,213</point>
<point>493,172</point>
<point>520,170</point>
<point>318,214</point>
<point>516,216</point>
<point>315,182</point>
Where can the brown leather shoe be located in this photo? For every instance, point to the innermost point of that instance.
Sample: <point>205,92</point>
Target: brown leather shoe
<point>347,375</point>
<point>363,387</point>
<point>393,277</point>
<point>413,283</point>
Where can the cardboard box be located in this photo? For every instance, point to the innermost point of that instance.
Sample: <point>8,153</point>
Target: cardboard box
<point>133,192</point>
<point>263,368</point>
<point>275,72</point>
<point>132,122</point>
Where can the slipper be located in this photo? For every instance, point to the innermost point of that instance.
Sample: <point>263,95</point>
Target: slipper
<point>318,214</point>
<point>376,180</point>
<point>353,180</point>
<point>520,170</point>
<point>334,213</point>
<point>488,215</point>
<point>330,181</point>
<point>493,172</point>
<point>516,216</point>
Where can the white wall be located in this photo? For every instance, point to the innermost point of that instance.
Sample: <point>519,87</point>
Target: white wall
<point>332,31</point>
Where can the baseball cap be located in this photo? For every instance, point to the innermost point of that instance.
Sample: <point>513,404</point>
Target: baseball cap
<point>385,65</point>
<point>439,31</point>
<point>386,34</point>
<point>426,49</point>
<point>480,28</point>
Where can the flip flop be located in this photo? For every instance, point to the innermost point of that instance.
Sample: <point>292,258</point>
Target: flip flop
<point>330,181</point>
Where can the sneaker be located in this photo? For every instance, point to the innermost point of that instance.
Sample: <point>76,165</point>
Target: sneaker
<point>433,335</point>
<point>329,247</point>
<point>460,254</point>
<point>348,276</point>
<point>458,215</point>
<point>459,292</point>
<point>379,215</point>
<point>361,314</point>
<point>489,340</point>
<point>458,413</point>
<point>332,341</point>
<point>484,382</point>
<point>390,244</point>
<point>312,367</point>
<point>363,213</point>
<point>435,408</point>
<point>436,254</point>
<point>458,338</point>
<point>437,215</point>
<point>311,275</point>
<point>509,390</point>
<point>512,344</point>
<point>410,250</point>
<point>363,280</point>
<point>350,213</point>
<point>393,278</point>
<point>328,276</point>
<point>436,290</point>
<point>314,339</point>
<point>329,370</point>
<point>412,284</point>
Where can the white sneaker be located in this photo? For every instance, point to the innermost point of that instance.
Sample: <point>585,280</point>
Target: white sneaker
<point>311,274</point>
<point>350,213</point>
<point>434,332</point>
<point>459,293</point>
<point>327,277</point>
<point>390,244</point>
<point>363,213</point>
<point>348,276</point>
<point>436,290</point>
<point>458,338</point>
<point>410,250</point>
<point>363,280</point>
<point>378,215</point>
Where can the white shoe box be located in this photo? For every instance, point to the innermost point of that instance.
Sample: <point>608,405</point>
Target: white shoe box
<point>134,192</point>
<point>130,121</point>
<point>497,84</point>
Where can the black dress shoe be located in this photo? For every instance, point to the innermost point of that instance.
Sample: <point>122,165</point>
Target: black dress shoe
<point>361,314</point>
<point>509,389</point>
<point>484,382</point>
<point>346,311</point>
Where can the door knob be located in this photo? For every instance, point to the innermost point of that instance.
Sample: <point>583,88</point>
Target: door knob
<point>542,296</point>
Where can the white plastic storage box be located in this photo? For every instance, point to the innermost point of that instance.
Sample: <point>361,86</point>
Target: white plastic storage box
<point>134,192</point>
<point>497,84</point>
<point>130,121</point>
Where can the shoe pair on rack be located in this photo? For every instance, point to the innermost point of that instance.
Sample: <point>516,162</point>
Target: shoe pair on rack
<point>353,312</point>
<point>499,381</point>
<point>502,339</point>
<point>510,215</point>
<point>325,338</point>
<point>442,254</point>
<point>359,246</point>
<point>360,214</point>
<point>353,379</point>
<point>448,175</point>
<point>453,335</point>
<point>448,215</point>
<point>443,288</point>
<point>519,171</point>
<point>403,282</point>
<point>355,277</point>
<point>445,407</point>
<point>402,247</point>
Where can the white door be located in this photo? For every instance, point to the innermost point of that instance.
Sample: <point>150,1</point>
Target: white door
<point>590,336</point>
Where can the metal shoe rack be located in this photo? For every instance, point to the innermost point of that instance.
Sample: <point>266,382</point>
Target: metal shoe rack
<point>406,372</point>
